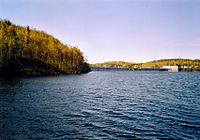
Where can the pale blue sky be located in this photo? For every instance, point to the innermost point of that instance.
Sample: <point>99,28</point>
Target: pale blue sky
<point>111,30</point>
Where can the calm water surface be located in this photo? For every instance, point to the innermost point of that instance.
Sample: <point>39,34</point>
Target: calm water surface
<point>101,105</point>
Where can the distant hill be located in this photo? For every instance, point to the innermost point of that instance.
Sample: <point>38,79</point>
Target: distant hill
<point>28,51</point>
<point>116,64</point>
<point>192,65</point>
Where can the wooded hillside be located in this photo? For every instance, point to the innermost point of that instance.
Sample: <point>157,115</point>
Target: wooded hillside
<point>32,52</point>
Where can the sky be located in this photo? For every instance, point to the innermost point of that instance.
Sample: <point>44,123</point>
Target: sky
<point>115,30</point>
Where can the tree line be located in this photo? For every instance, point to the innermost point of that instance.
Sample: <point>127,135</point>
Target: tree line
<point>184,64</point>
<point>32,51</point>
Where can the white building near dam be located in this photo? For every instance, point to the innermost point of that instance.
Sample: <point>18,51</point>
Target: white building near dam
<point>171,68</point>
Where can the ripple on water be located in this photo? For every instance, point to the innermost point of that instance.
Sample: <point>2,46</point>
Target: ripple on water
<point>101,105</point>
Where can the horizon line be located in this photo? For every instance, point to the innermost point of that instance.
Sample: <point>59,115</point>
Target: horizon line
<point>147,61</point>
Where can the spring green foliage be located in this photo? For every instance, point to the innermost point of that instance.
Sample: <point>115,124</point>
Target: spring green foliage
<point>31,51</point>
<point>184,64</point>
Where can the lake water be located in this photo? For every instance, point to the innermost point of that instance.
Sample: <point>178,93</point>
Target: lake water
<point>101,105</point>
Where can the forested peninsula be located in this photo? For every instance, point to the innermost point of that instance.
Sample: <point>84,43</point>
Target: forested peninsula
<point>25,51</point>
